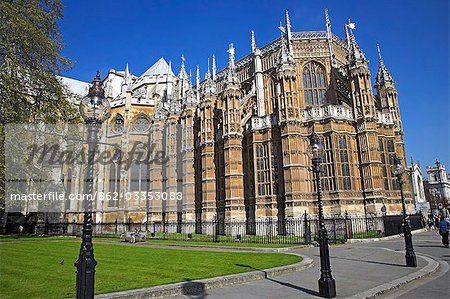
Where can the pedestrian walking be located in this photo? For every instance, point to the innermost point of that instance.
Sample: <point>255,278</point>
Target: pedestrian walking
<point>444,226</point>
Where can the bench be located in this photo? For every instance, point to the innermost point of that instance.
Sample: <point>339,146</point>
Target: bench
<point>139,236</point>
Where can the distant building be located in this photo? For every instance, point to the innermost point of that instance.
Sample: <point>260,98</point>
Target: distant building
<point>437,187</point>
<point>417,186</point>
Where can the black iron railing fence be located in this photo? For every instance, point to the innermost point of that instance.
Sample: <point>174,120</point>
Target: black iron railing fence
<point>289,231</point>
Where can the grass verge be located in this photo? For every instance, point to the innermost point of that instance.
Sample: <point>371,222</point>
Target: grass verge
<point>46,270</point>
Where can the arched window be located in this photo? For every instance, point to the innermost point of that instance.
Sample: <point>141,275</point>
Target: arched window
<point>114,179</point>
<point>142,124</point>
<point>263,169</point>
<point>391,156</point>
<point>384,163</point>
<point>114,184</point>
<point>345,165</point>
<point>139,171</point>
<point>135,169</point>
<point>314,84</point>
<point>118,124</point>
<point>328,179</point>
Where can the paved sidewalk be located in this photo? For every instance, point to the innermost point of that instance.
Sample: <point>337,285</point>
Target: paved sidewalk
<point>356,269</point>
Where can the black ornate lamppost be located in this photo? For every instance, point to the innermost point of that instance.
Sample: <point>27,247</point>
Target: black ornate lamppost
<point>327,285</point>
<point>398,169</point>
<point>94,109</point>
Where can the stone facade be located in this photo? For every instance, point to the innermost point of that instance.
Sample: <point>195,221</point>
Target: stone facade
<point>437,188</point>
<point>243,151</point>
<point>417,188</point>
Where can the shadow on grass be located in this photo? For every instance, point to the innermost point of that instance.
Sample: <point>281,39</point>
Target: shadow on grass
<point>194,289</point>
<point>286,284</point>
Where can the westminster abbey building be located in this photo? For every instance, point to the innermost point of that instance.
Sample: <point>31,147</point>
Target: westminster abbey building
<point>237,140</point>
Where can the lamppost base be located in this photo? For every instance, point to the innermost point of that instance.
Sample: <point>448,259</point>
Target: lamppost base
<point>327,288</point>
<point>411,260</point>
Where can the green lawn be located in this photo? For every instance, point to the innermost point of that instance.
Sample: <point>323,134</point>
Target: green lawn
<point>34,269</point>
<point>16,238</point>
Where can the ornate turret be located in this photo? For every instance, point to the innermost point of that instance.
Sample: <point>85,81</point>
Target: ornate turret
<point>190,96</point>
<point>231,97</point>
<point>356,56</point>
<point>231,80</point>
<point>209,87</point>
<point>183,75</point>
<point>285,75</point>
<point>183,80</point>
<point>360,77</point>
<point>286,63</point>
<point>383,75</point>
<point>258,80</point>
<point>233,206</point>
<point>387,93</point>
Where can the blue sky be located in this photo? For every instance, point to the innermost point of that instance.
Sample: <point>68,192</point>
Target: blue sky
<point>414,38</point>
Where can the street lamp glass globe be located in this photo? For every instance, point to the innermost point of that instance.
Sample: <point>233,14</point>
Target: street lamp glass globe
<point>316,148</point>
<point>397,168</point>
<point>95,108</point>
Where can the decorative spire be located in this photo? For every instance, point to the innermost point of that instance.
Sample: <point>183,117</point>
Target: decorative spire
<point>285,56</point>
<point>253,42</point>
<point>288,31</point>
<point>197,83</point>
<point>214,69</point>
<point>127,71</point>
<point>288,21</point>
<point>231,53</point>
<point>282,29</point>
<point>380,59</point>
<point>356,55</point>
<point>127,80</point>
<point>383,75</point>
<point>197,78</point>
<point>329,37</point>
<point>190,97</point>
<point>327,19</point>
<point>208,86</point>
<point>182,74</point>
<point>231,72</point>
<point>208,73</point>
<point>348,26</point>
<point>183,83</point>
